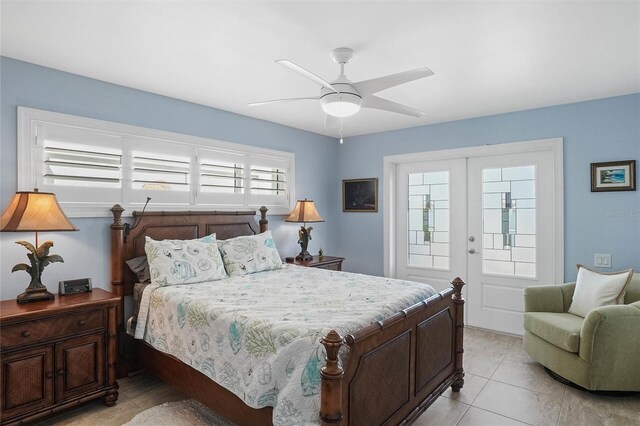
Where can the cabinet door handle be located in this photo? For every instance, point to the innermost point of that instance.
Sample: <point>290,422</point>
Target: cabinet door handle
<point>82,322</point>
<point>60,372</point>
<point>26,333</point>
<point>49,375</point>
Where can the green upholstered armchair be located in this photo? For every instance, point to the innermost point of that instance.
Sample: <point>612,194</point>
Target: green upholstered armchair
<point>598,352</point>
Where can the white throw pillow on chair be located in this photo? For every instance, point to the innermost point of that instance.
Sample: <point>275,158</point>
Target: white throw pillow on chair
<point>594,289</point>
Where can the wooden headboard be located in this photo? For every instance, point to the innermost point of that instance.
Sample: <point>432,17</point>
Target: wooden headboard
<point>127,242</point>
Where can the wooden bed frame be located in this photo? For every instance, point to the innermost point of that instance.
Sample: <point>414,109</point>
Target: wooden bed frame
<point>393,371</point>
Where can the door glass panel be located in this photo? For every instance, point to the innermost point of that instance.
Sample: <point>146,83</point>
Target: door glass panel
<point>509,221</point>
<point>428,220</point>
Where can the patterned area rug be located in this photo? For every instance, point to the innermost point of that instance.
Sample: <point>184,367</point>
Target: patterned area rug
<point>187,412</point>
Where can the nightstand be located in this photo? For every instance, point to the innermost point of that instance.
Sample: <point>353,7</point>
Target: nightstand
<point>327,262</point>
<point>56,354</point>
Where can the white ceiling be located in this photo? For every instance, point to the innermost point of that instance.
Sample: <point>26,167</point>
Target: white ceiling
<point>489,57</point>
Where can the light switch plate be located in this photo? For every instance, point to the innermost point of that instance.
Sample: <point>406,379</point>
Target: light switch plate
<point>602,260</point>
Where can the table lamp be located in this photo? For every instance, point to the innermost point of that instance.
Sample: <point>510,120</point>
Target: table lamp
<point>35,212</point>
<point>304,211</point>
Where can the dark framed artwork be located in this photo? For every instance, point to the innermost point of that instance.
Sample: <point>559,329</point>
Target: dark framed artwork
<point>360,195</point>
<point>613,176</point>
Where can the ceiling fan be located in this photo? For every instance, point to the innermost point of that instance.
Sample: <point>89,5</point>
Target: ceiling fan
<point>343,98</point>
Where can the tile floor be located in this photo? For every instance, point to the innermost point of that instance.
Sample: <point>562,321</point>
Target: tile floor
<point>503,386</point>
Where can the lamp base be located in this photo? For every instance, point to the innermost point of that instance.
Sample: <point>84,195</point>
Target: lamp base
<point>304,255</point>
<point>35,296</point>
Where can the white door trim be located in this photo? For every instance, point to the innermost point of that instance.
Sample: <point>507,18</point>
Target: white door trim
<point>390,163</point>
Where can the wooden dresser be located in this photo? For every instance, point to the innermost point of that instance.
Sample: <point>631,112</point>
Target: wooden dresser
<point>56,354</point>
<point>326,262</point>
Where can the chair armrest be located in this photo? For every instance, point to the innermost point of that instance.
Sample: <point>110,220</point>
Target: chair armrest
<point>610,342</point>
<point>547,298</point>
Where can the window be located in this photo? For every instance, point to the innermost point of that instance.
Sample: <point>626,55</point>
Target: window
<point>509,221</point>
<point>428,220</point>
<point>91,165</point>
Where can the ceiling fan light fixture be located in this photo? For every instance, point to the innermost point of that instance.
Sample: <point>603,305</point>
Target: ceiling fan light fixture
<point>341,104</point>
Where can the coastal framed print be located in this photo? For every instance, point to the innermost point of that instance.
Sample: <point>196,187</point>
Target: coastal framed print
<point>613,176</point>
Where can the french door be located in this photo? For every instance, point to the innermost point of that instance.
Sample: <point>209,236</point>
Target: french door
<point>431,206</point>
<point>491,219</point>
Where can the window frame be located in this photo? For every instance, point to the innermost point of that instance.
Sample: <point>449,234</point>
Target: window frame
<point>30,165</point>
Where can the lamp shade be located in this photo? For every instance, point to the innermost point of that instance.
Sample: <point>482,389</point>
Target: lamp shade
<point>34,211</point>
<point>304,211</point>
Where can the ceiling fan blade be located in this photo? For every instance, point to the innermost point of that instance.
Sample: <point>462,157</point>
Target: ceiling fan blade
<point>375,102</point>
<point>368,87</point>
<point>330,121</point>
<point>311,76</point>
<point>315,98</point>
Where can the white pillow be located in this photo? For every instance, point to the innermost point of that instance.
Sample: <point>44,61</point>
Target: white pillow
<point>253,253</point>
<point>174,262</point>
<point>594,289</point>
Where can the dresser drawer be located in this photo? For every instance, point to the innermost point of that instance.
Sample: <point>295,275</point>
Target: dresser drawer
<point>50,328</point>
<point>331,266</point>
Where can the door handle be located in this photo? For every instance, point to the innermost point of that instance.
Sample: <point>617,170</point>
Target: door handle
<point>472,251</point>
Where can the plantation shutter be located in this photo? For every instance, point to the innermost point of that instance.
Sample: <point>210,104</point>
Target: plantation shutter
<point>79,165</point>
<point>221,177</point>
<point>160,170</point>
<point>269,181</point>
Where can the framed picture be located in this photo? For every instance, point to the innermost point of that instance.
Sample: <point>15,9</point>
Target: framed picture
<point>613,176</point>
<point>360,195</point>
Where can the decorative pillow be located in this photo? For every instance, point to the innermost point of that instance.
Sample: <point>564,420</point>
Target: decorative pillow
<point>140,267</point>
<point>594,289</point>
<point>174,262</point>
<point>246,255</point>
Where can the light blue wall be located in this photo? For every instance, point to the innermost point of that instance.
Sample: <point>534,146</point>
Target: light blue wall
<point>595,131</point>
<point>601,130</point>
<point>86,252</point>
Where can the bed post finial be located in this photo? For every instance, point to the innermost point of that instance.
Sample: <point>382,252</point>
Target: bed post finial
<point>263,219</point>
<point>457,284</point>
<point>117,210</point>
<point>458,302</point>
<point>331,376</point>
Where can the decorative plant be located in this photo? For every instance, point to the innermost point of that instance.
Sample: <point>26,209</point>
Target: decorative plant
<point>39,258</point>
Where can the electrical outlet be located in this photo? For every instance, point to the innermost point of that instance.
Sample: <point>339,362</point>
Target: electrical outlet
<point>602,260</point>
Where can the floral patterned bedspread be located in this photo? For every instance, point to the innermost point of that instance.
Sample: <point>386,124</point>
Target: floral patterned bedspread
<point>258,335</point>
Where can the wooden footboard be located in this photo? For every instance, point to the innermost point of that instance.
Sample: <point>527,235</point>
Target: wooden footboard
<point>395,369</point>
